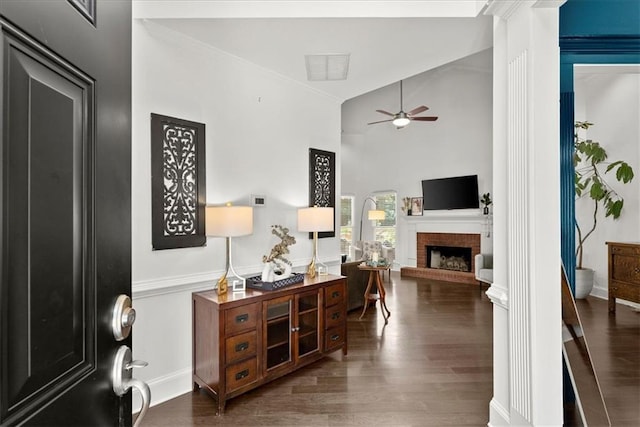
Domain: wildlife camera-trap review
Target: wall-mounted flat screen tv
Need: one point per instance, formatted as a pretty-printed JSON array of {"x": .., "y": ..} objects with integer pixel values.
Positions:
[{"x": 459, "y": 192}]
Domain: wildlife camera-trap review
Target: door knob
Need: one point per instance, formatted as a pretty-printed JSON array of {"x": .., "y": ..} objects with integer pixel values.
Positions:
[
  {"x": 122, "y": 318},
  {"x": 122, "y": 377}
]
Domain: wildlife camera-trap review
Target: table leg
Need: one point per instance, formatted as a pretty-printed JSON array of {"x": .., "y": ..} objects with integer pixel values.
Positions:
[
  {"x": 366, "y": 294},
  {"x": 383, "y": 304}
]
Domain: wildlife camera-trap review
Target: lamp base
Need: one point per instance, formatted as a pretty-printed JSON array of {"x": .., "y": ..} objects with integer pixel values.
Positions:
[
  {"x": 311, "y": 269},
  {"x": 316, "y": 268},
  {"x": 222, "y": 285}
]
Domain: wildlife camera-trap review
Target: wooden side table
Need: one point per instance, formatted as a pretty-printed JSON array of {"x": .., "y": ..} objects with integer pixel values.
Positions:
[
  {"x": 624, "y": 273},
  {"x": 374, "y": 277}
]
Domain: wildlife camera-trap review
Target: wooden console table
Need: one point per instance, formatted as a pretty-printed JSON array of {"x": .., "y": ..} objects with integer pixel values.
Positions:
[
  {"x": 624, "y": 273},
  {"x": 246, "y": 339}
]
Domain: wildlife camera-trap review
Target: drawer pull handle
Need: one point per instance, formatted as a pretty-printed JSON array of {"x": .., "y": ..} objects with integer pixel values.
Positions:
[
  {"x": 335, "y": 337},
  {"x": 335, "y": 294},
  {"x": 241, "y": 318},
  {"x": 335, "y": 316},
  {"x": 242, "y": 374},
  {"x": 242, "y": 347}
]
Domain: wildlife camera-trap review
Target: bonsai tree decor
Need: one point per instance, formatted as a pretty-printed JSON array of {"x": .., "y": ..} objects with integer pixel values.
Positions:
[
  {"x": 276, "y": 263},
  {"x": 589, "y": 158}
]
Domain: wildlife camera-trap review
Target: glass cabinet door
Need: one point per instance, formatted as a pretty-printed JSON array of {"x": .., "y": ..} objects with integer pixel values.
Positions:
[
  {"x": 308, "y": 315},
  {"x": 278, "y": 332}
]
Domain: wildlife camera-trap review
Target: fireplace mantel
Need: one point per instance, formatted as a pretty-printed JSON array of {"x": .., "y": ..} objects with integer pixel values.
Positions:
[
  {"x": 453, "y": 221},
  {"x": 455, "y": 216}
]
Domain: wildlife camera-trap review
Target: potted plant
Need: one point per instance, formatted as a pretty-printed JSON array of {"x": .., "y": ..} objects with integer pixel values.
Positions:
[
  {"x": 589, "y": 158},
  {"x": 486, "y": 201}
]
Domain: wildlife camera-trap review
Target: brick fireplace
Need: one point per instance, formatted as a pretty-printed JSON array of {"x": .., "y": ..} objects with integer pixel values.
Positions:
[{"x": 461, "y": 248}]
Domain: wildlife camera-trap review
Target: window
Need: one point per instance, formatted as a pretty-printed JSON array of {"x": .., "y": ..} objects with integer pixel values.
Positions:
[
  {"x": 385, "y": 230},
  {"x": 346, "y": 224}
]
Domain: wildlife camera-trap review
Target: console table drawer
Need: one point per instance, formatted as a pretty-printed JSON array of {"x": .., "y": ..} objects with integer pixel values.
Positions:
[
  {"x": 334, "y": 316},
  {"x": 334, "y": 294},
  {"x": 626, "y": 268},
  {"x": 625, "y": 250},
  {"x": 241, "y": 374},
  {"x": 241, "y": 346},
  {"x": 334, "y": 338},
  {"x": 241, "y": 318},
  {"x": 625, "y": 291}
]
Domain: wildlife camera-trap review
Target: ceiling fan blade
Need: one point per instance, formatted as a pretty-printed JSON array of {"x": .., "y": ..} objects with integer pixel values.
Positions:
[
  {"x": 385, "y": 112},
  {"x": 424, "y": 119},
  {"x": 417, "y": 110},
  {"x": 381, "y": 121}
]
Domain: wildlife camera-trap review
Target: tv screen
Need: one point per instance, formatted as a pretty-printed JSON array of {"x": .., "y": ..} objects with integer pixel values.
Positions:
[{"x": 460, "y": 192}]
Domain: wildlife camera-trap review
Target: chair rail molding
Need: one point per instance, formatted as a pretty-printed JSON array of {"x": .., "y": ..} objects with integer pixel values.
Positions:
[
  {"x": 206, "y": 280},
  {"x": 498, "y": 295}
]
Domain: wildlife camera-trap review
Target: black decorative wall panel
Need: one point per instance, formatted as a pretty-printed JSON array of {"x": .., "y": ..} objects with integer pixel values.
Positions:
[
  {"x": 178, "y": 182},
  {"x": 322, "y": 182}
]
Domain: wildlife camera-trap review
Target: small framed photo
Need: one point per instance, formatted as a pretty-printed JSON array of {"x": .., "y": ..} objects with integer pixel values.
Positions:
[{"x": 416, "y": 206}]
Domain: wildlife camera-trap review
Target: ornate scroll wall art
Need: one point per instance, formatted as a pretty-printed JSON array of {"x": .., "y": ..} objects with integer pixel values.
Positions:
[
  {"x": 178, "y": 184},
  {"x": 322, "y": 183}
]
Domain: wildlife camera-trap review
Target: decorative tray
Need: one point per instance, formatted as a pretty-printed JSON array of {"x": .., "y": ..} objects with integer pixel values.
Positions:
[{"x": 256, "y": 282}]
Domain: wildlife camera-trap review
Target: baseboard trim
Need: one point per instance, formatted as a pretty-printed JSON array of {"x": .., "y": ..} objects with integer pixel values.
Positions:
[
  {"x": 498, "y": 414},
  {"x": 165, "y": 388}
]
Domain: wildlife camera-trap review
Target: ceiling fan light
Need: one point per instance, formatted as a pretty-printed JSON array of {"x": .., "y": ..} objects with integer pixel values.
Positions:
[{"x": 400, "y": 122}]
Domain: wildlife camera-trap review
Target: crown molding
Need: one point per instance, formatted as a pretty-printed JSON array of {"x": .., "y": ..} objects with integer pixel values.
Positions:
[{"x": 506, "y": 8}]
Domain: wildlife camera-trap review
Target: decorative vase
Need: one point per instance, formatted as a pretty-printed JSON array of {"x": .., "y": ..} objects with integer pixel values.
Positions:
[
  {"x": 584, "y": 282},
  {"x": 486, "y": 210},
  {"x": 282, "y": 272},
  {"x": 267, "y": 272},
  {"x": 408, "y": 212}
]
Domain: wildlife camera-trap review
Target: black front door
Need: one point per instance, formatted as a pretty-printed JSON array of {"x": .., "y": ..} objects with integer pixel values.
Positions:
[{"x": 65, "y": 179}]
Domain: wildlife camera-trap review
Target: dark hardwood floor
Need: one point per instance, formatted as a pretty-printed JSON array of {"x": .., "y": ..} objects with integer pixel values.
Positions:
[
  {"x": 430, "y": 366},
  {"x": 614, "y": 344}
]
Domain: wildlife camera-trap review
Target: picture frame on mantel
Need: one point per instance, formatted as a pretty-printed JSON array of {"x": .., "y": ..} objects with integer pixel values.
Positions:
[
  {"x": 178, "y": 183},
  {"x": 416, "y": 206},
  {"x": 322, "y": 183}
]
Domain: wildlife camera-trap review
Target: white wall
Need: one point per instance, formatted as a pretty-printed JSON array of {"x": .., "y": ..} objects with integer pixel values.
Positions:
[
  {"x": 259, "y": 127},
  {"x": 380, "y": 157},
  {"x": 610, "y": 100}
]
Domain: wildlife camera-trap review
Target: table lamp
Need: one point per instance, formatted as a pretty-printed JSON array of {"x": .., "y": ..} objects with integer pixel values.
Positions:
[
  {"x": 229, "y": 221},
  {"x": 315, "y": 219}
]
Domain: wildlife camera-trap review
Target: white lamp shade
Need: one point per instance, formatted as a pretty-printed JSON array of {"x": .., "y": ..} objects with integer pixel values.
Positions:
[
  {"x": 229, "y": 221},
  {"x": 315, "y": 219},
  {"x": 376, "y": 214}
]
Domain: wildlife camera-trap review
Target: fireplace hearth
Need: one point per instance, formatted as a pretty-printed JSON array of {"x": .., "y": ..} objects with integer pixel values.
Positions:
[{"x": 445, "y": 256}]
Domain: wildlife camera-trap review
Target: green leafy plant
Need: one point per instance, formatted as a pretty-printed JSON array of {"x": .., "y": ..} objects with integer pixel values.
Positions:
[
  {"x": 589, "y": 157},
  {"x": 486, "y": 199}
]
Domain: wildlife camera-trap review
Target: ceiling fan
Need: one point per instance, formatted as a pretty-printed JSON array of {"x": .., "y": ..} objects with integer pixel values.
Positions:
[{"x": 401, "y": 119}]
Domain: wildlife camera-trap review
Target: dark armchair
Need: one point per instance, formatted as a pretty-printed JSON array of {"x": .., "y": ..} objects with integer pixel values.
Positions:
[{"x": 356, "y": 284}]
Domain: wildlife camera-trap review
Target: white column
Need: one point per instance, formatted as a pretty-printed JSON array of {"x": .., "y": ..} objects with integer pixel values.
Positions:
[{"x": 526, "y": 289}]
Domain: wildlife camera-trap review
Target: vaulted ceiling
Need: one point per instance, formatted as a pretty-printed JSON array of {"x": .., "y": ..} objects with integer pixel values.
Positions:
[{"x": 387, "y": 40}]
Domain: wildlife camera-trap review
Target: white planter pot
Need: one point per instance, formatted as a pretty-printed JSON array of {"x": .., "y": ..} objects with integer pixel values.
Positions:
[{"x": 584, "y": 282}]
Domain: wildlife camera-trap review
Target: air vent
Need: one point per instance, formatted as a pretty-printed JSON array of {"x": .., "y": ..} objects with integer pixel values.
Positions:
[{"x": 327, "y": 66}]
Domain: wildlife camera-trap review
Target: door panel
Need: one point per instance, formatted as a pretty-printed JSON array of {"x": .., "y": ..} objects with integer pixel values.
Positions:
[
  {"x": 65, "y": 179},
  {"x": 48, "y": 220}
]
